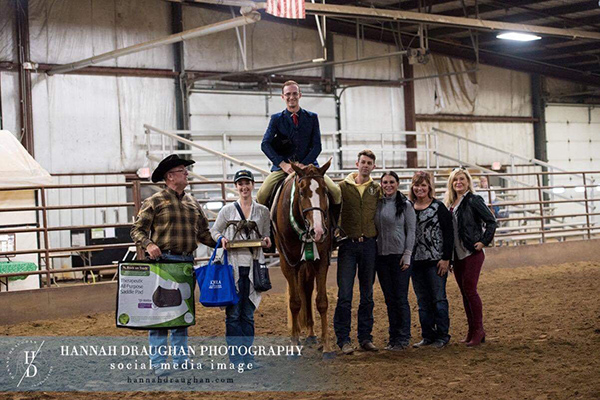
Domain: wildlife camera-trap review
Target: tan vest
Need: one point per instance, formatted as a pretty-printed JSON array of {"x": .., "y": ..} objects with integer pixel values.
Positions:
[{"x": 358, "y": 213}]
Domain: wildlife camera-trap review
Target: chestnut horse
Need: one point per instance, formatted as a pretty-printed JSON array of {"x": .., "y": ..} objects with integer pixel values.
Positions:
[{"x": 303, "y": 236}]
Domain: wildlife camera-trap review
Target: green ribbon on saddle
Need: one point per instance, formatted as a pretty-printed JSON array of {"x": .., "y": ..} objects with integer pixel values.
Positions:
[{"x": 309, "y": 249}]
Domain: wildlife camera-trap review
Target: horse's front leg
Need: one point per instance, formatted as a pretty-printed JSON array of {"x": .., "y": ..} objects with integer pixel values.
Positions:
[
  {"x": 294, "y": 305},
  {"x": 322, "y": 305}
]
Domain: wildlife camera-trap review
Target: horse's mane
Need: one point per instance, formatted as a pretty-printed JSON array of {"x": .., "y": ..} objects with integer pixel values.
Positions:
[{"x": 308, "y": 170}]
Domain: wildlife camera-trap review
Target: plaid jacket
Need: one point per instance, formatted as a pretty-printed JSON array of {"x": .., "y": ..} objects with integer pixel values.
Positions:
[{"x": 171, "y": 222}]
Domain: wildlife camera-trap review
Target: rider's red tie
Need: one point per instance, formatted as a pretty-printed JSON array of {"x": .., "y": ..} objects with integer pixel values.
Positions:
[{"x": 295, "y": 119}]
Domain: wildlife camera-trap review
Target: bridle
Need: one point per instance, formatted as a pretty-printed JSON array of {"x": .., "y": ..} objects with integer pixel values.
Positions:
[
  {"x": 303, "y": 234},
  {"x": 305, "y": 237}
]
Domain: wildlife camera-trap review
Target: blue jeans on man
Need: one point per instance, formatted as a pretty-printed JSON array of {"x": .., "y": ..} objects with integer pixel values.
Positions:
[
  {"x": 430, "y": 289},
  {"x": 239, "y": 321},
  {"x": 159, "y": 338},
  {"x": 355, "y": 256},
  {"x": 159, "y": 348},
  {"x": 394, "y": 284}
]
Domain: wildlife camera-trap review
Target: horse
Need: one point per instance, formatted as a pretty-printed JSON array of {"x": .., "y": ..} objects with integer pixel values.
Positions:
[{"x": 303, "y": 237}]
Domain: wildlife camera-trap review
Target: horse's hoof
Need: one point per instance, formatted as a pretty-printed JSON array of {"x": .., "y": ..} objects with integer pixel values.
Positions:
[
  {"x": 310, "y": 340},
  {"x": 329, "y": 355}
]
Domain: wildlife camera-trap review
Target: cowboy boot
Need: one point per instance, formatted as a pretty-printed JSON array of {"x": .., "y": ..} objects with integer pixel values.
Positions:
[
  {"x": 469, "y": 336},
  {"x": 478, "y": 334},
  {"x": 477, "y": 338}
]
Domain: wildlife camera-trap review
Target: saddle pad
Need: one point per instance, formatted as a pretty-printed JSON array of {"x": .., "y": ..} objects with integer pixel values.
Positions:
[{"x": 155, "y": 295}]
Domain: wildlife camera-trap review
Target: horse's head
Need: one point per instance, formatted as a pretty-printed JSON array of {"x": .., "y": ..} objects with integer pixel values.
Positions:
[{"x": 313, "y": 201}]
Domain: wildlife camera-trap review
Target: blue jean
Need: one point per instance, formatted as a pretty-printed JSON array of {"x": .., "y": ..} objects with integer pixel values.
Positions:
[
  {"x": 394, "y": 284},
  {"x": 239, "y": 320},
  {"x": 176, "y": 258},
  {"x": 158, "y": 339},
  {"x": 355, "y": 256},
  {"x": 430, "y": 289}
]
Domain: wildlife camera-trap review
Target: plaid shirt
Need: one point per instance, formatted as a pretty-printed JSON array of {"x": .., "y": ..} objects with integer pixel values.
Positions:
[{"x": 171, "y": 222}]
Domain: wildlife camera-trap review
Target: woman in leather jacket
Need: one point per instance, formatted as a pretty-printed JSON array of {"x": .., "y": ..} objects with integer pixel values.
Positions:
[{"x": 469, "y": 216}]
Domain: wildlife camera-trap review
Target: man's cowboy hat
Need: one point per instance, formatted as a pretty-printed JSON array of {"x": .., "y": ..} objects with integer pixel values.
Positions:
[{"x": 167, "y": 164}]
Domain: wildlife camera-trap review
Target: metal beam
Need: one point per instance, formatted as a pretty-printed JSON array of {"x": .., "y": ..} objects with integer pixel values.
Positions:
[
  {"x": 409, "y": 16},
  {"x": 466, "y": 52},
  {"x": 300, "y": 65},
  {"x": 547, "y": 51},
  {"x": 554, "y": 12},
  {"x": 410, "y": 120},
  {"x": 25, "y": 98},
  {"x": 536, "y": 15},
  {"x": 178, "y": 37},
  {"x": 538, "y": 111},
  {"x": 474, "y": 118}
]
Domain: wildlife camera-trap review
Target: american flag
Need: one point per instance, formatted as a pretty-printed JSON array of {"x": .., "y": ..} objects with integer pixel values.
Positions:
[{"x": 286, "y": 8}]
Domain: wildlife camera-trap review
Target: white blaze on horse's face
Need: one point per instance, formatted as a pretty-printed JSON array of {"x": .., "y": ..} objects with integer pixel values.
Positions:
[{"x": 317, "y": 216}]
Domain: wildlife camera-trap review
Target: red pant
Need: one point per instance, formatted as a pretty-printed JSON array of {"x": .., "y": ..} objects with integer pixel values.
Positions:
[{"x": 467, "y": 273}]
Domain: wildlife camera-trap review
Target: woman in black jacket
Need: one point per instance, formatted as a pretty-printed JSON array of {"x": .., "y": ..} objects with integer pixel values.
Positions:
[{"x": 469, "y": 215}]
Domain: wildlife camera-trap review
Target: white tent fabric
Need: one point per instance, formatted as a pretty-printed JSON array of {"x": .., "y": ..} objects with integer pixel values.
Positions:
[{"x": 17, "y": 167}]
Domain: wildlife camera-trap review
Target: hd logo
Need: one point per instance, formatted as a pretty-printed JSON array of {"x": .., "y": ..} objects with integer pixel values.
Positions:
[{"x": 26, "y": 364}]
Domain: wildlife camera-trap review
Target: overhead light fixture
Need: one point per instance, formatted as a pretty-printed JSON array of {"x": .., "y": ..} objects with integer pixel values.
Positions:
[
  {"x": 519, "y": 37},
  {"x": 558, "y": 190}
]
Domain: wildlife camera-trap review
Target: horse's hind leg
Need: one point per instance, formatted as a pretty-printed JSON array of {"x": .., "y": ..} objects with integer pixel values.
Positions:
[{"x": 322, "y": 305}]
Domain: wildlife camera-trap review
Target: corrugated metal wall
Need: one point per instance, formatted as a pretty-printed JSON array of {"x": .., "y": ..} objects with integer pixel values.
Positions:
[{"x": 574, "y": 144}]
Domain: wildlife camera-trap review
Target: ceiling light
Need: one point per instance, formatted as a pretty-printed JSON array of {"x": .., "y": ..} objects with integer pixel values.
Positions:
[
  {"x": 558, "y": 190},
  {"x": 520, "y": 37},
  {"x": 580, "y": 189}
]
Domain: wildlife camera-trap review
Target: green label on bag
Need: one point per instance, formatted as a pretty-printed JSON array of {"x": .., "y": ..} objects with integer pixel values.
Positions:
[{"x": 135, "y": 270}]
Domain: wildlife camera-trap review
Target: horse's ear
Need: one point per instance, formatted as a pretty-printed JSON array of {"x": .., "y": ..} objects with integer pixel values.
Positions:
[
  {"x": 297, "y": 169},
  {"x": 325, "y": 167}
]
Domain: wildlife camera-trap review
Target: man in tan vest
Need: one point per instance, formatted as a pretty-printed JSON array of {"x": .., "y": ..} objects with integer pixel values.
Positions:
[{"x": 357, "y": 253}]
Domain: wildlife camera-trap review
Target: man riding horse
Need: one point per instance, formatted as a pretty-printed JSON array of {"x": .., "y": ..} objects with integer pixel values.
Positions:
[
  {"x": 293, "y": 135},
  {"x": 302, "y": 222}
]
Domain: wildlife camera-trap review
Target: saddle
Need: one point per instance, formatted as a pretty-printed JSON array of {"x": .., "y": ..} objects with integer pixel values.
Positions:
[{"x": 271, "y": 200}]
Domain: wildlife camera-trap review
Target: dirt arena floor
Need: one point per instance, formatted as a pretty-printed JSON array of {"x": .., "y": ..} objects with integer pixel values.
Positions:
[{"x": 543, "y": 342}]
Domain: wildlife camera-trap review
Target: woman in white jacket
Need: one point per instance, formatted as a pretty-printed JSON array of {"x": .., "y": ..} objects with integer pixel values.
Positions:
[{"x": 239, "y": 320}]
